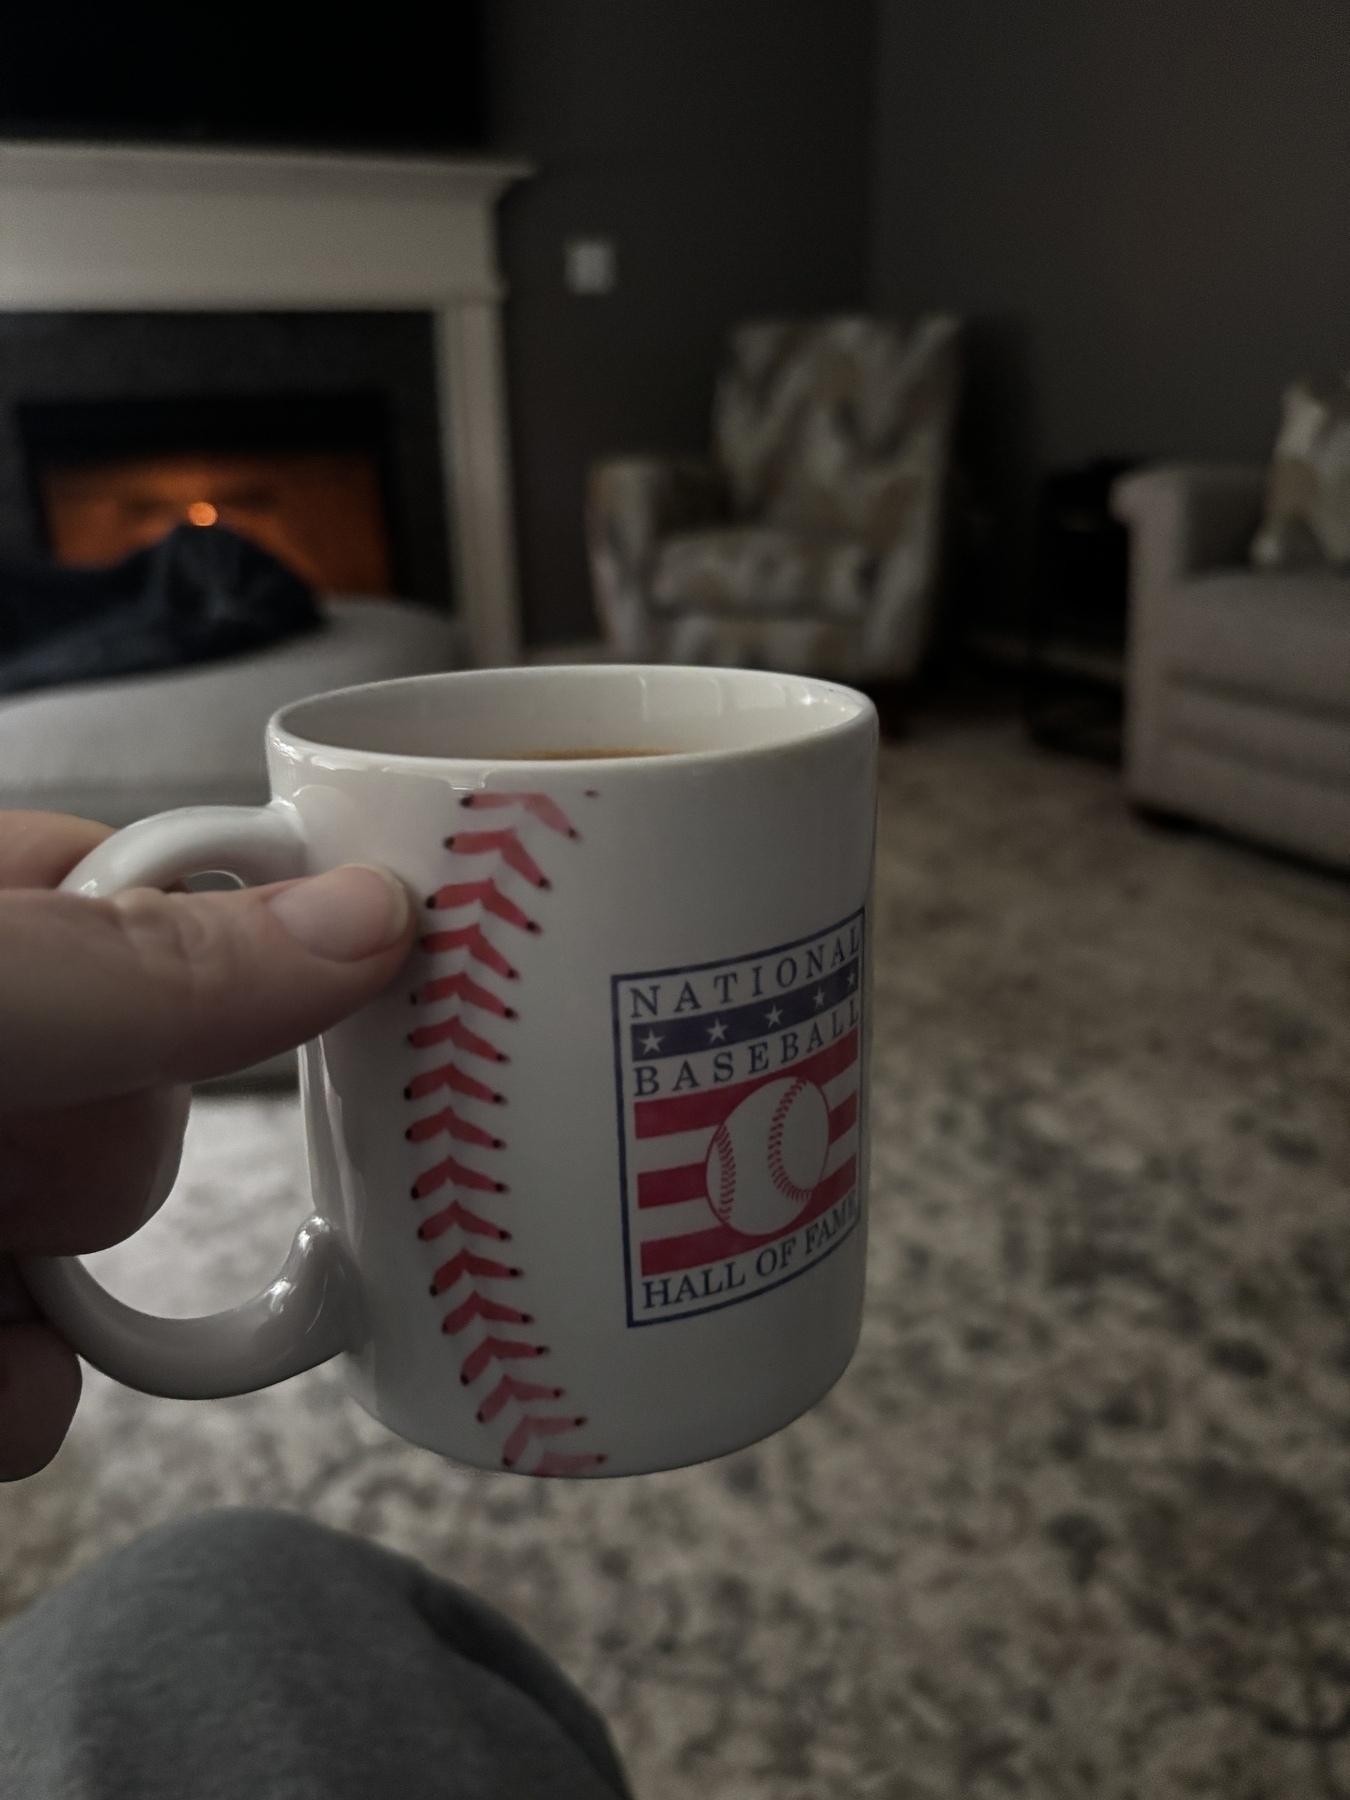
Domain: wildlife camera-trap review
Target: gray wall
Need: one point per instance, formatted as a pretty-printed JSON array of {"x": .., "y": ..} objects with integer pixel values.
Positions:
[
  {"x": 725, "y": 145},
  {"x": 1143, "y": 206},
  {"x": 1140, "y": 208}
]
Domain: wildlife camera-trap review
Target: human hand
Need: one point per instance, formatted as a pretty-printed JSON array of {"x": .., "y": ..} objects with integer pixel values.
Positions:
[{"x": 108, "y": 1008}]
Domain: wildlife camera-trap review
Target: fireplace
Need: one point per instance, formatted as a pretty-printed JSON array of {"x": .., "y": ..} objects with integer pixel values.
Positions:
[
  {"x": 321, "y": 514},
  {"x": 273, "y": 274},
  {"x": 315, "y": 434},
  {"x": 308, "y": 477}
]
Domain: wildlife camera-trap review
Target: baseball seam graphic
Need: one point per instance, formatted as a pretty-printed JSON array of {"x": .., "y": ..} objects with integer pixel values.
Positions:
[
  {"x": 777, "y": 1168},
  {"x": 479, "y": 903},
  {"x": 726, "y": 1173}
]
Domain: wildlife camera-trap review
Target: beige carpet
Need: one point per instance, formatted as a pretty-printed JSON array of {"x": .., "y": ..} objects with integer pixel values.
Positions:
[{"x": 1077, "y": 1521}]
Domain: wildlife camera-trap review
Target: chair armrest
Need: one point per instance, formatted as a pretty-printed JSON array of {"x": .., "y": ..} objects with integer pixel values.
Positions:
[
  {"x": 632, "y": 502},
  {"x": 1189, "y": 518},
  {"x": 1182, "y": 522}
]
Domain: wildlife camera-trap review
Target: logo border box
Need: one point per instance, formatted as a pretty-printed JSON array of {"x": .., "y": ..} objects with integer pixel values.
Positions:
[{"x": 717, "y": 962}]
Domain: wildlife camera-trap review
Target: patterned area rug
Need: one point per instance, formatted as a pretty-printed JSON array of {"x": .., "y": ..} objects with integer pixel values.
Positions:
[{"x": 1077, "y": 1521}]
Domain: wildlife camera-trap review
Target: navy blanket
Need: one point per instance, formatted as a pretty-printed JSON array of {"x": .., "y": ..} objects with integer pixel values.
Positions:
[{"x": 198, "y": 594}]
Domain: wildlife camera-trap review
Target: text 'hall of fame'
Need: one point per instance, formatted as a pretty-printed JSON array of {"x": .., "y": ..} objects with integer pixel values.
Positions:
[{"x": 739, "y": 1088}]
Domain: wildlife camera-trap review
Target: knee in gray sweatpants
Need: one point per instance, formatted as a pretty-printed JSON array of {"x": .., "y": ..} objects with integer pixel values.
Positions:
[{"x": 256, "y": 1654}]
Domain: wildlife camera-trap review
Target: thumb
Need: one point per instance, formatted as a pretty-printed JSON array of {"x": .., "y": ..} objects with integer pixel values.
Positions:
[{"x": 100, "y": 997}]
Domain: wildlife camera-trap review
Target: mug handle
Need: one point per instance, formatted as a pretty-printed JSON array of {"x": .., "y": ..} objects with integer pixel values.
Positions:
[{"x": 312, "y": 1310}]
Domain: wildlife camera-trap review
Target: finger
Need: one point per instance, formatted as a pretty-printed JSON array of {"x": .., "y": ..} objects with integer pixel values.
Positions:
[
  {"x": 39, "y": 1391},
  {"x": 79, "y": 1178},
  {"x": 39, "y": 849},
  {"x": 100, "y": 997}
]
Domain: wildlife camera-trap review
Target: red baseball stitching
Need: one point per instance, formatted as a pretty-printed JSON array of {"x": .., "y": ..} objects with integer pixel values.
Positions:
[
  {"x": 726, "y": 1173},
  {"x": 480, "y": 901},
  {"x": 777, "y": 1168}
]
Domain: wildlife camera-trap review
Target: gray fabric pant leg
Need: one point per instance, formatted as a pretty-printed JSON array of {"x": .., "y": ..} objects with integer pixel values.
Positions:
[{"x": 255, "y": 1654}]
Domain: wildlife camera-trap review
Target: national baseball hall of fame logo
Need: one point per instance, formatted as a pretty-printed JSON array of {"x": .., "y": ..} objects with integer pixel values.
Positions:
[{"x": 739, "y": 1088}]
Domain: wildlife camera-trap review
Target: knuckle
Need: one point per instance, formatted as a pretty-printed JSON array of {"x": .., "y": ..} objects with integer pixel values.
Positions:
[{"x": 186, "y": 961}]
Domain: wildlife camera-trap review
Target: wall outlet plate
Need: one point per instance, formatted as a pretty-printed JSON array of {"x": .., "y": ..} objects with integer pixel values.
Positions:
[{"x": 590, "y": 265}]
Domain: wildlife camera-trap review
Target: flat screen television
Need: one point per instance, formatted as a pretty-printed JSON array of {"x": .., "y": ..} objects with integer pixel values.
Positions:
[{"x": 364, "y": 75}]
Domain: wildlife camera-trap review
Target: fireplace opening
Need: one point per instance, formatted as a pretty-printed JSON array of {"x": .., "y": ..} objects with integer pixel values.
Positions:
[{"x": 305, "y": 476}]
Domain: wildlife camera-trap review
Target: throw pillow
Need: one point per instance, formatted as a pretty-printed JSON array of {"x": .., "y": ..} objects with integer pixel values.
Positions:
[{"x": 1307, "y": 519}]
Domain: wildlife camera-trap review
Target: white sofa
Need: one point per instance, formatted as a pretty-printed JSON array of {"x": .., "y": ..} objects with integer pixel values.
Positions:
[
  {"x": 117, "y": 750},
  {"x": 1237, "y": 679}
]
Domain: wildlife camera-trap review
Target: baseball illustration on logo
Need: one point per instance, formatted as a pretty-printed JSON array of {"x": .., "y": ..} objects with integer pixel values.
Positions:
[
  {"x": 767, "y": 1157},
  {"x": 740, "y": 1087}
]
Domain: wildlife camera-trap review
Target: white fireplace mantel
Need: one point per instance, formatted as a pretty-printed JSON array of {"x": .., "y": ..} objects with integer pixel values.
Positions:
[{"x": 93, "y": 227}]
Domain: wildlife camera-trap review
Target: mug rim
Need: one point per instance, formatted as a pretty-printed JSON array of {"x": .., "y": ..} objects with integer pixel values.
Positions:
[{"x": 856, "y": 711}]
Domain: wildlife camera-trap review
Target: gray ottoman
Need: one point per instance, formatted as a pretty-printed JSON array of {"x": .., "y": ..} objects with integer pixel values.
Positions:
[{"x": 117, "y": 750}]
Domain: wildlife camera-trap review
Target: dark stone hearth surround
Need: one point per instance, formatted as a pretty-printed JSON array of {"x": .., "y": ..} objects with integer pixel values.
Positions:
[{"x": 115, "y": 356}]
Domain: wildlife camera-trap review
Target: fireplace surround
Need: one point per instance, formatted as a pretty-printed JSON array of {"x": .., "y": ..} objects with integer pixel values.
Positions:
[
  {"x": 271, "y": 237},
  {"x": 339, "y": 484}
]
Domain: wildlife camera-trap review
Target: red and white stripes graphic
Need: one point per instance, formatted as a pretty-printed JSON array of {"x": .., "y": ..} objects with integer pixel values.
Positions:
[
  {"x": 490, "y": 872},
  {"x": 676, "y": 1230}
]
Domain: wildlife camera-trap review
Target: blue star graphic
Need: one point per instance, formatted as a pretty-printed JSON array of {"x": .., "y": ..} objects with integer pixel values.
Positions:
[
  {"x": 818, "y": 998},
  {"x": 716, "y": 1032},
  {"x": 775, "y": 1014},
  {"x": 651, "y": 1043}
]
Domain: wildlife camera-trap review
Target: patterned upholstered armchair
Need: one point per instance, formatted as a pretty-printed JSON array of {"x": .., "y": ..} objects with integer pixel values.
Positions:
[{"x": 809, "y": 540}]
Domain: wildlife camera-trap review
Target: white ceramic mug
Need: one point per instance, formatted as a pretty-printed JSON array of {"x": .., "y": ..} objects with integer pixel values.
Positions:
[{"x": 590, "y": 1180}]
